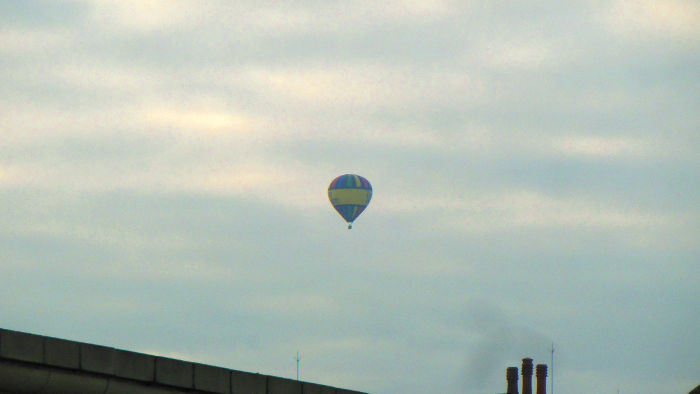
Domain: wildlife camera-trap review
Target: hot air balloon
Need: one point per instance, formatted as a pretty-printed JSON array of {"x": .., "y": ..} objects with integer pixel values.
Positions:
[{"x": 350, "y": 195}]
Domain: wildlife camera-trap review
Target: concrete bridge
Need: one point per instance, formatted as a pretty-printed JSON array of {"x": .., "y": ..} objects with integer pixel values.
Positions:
[{"x": 39, "y": 364}]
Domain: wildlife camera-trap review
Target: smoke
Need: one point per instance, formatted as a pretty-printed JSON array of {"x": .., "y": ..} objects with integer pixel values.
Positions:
[{"x": 499, "y": 341}]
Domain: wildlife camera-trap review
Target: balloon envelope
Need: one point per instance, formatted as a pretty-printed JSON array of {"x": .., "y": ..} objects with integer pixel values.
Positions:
[{"x": 350, "y": 195}]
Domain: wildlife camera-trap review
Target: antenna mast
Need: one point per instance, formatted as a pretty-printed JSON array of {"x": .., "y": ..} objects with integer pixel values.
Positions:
[
  {"x": 551, "y": 362},
  {"x": 298, "y": 359}
]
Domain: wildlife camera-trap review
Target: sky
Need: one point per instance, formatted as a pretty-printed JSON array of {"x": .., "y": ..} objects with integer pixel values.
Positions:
[{"x": 535, "y": 165}]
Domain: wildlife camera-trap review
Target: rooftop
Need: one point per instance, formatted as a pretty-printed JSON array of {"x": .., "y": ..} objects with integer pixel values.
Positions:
[{"x": 32, "y": 363}]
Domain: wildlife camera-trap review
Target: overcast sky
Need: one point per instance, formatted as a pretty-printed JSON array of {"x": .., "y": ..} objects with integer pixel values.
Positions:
[{"x": 535, "y": 165}]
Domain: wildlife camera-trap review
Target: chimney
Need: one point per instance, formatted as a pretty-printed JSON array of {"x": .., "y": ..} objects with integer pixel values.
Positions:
[
  {"x": 541, "y": 373},
  {"x": 526, "y": 371},
  {"x": 512, "y": 378}
]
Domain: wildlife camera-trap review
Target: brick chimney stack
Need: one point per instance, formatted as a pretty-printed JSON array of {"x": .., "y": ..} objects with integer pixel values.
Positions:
[
  {"x": 541, "y": 373},
  {"x": 512, "y": 378},
  {"x": 526, "y": 371}
]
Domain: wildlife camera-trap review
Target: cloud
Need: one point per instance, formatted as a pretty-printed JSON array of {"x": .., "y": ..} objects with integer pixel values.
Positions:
[
  {"x": 498, "y": 211},
  {"x": 260, "y": 19},
  {"x": 600, "y": 146},
  {"x": 21, "y": 41},
  {"x": 362, "y": 85},
  {"x": 296, "y": 305},
  {"x": 205, "y": 121},
  {"x": 146, "y": 15},
  {"x": 520, "y": 55},
  {"x": 9, "y": 177},
  {"x": 674, "y": 18}
]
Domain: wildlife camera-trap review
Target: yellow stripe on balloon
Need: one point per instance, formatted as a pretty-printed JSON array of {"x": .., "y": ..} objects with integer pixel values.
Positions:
[{"x": 349, "y": 196}]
